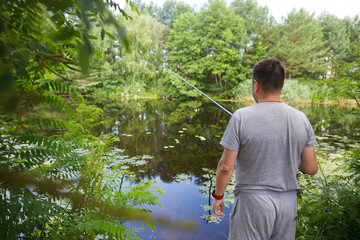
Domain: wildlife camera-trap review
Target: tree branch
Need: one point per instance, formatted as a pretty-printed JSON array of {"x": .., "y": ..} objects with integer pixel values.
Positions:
[{"x": 59, "y": 75}]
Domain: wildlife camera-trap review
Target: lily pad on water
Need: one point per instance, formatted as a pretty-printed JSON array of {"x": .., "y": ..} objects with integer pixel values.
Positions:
[
  {"x": 117, "y": 150},
  {"x": 211, "y": 218},
  {"x": 122, "y": 157},
  {"x": 135, "y": 161},
  {"x": 139, "y": 163},
  {"x": 170, "y": 146},
  {"x": 182, "y": 177},
  {"x": 147, "y": 157},
  {"x": 202, "y": 138}
]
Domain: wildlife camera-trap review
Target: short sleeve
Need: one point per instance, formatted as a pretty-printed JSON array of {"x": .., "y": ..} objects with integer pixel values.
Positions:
[
  {"x": 311, "y": 141},
  {"x": 231, "y": 137}
]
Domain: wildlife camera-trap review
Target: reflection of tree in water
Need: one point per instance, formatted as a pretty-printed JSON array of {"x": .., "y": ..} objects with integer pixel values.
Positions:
[
  {"x": 206, "y": 188},
  {"x": 192, "y": 128},
  {"x": 182, "y": 136}
]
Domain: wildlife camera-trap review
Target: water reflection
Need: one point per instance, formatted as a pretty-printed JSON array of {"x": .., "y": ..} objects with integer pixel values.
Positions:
[{"x": 182, "y": 137}]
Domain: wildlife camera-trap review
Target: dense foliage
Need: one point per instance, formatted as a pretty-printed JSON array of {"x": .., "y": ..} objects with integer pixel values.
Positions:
[
  {"x": 330, "y": 203},
  {"x": 58, "y": 180}
]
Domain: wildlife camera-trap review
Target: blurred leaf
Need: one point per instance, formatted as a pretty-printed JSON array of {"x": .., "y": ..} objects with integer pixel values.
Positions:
[
  {"x": 110, "y": 35},
  {"x": 92, "y": 37},
  {"x": 3, "y": 49},
  {"x": 84, "y": 55},
  {"x": 6, "y": 79},
  {"x": 65, "y": 33},
  {"x": 58, "y": 18},
  {"x": 102, "y": 34},
  {"x": 121, "y": 32}
]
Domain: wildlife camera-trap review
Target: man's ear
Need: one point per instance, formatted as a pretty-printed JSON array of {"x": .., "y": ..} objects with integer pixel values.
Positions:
[{"x": 256, "y": 86}]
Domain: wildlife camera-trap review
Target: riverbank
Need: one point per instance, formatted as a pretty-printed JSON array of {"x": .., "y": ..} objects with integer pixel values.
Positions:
[{"x": 295, "y": 91}]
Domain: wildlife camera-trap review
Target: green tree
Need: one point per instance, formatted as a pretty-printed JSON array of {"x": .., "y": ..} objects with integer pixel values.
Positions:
[
  {"x": 300, "y": 45},
  {"x": 334, "y": 36},
  {"x": 259, "y": 26},
  {"x": 124, "y": 72},
  {"x": 171, "y": 10},
  {"x": 183, "y": 56},
  {"x": 221, "y": 34},
  {"x": 206, "y": 47},
  {"x": 145, "y": 61},
  {"x": 353, "y": 33},
  {"x": 167, "y": 13},
  {"x": 151, "y": 8},
  {"x": 183, "y": 45},
  {"x": 138, "y": 70}
]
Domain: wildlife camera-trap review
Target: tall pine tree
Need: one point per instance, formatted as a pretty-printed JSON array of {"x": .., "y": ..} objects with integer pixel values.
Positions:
[
  {"x": 335, "y": 38},
  {"x": 300, "y": 46}
]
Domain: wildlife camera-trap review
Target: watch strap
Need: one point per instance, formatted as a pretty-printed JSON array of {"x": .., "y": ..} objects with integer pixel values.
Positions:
[{"x": 217, "y": 197}]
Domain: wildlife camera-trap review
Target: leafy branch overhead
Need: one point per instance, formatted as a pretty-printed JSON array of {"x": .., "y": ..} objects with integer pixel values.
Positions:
[{"x": 40, "y": 39}]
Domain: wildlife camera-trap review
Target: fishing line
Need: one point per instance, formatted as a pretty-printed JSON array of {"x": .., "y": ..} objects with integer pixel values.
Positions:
[{"x": 202, "y": 93}]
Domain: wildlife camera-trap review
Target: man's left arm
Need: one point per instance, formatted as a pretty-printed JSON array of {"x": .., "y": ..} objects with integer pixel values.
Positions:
[{"x": 224, "y": 173}]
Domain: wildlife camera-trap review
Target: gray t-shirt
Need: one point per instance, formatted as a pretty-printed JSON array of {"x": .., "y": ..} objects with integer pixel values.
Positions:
[{"x": 270, "y": 138}]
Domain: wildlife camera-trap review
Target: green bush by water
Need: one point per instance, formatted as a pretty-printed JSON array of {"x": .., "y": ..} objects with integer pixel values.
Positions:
[{"x": 329, "y": 203}]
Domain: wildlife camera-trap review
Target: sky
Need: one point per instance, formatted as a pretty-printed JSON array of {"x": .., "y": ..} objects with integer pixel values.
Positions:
[{"x": 280, "y": 8}]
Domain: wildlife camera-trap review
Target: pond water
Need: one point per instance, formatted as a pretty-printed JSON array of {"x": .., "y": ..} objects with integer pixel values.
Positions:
[{"x": 177, "y": 145}]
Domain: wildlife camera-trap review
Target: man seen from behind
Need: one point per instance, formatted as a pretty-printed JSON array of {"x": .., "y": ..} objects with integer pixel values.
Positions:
[{"x": 268, "y": 141}]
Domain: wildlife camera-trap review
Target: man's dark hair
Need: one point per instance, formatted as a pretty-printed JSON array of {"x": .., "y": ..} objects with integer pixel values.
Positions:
[{"x": 270, "y": 74}]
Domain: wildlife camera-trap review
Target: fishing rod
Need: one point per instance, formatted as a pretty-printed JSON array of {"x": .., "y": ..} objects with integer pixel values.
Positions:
[{"x": 202, "y": 93}]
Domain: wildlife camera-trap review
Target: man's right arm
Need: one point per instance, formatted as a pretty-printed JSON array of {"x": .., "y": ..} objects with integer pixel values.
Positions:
[{"x": 308, "y": 163}]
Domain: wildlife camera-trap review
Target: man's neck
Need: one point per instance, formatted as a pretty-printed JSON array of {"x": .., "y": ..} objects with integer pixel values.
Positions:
[{"x": 270, "y": 98}]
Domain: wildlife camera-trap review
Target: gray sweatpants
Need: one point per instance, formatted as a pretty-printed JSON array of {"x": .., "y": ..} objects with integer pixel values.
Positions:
[{"x": 263, "y": 215}]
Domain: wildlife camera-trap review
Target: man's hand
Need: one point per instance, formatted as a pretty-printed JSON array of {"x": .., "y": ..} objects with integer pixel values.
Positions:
[{"x": 216, "y": 207}]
